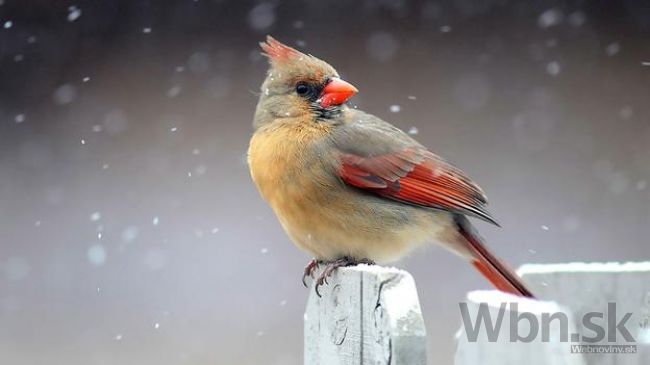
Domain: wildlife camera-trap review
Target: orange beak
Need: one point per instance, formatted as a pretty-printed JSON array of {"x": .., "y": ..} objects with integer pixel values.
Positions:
[{"x": 336, "y": 92}]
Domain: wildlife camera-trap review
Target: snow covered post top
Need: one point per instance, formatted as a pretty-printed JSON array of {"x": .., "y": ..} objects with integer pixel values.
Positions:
[
  {"x": 500, "y": 328},
  {"x": 587, "y": 313},
  {"x": 610, "y": 289},
  {"x": 366, "y": 315}
]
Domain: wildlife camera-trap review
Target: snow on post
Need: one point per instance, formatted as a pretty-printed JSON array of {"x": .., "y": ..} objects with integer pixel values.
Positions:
[
  {"x": 515, "y": 335},
  {"x": 366, "y": 315},
  {"x": 611, "y": 289}
]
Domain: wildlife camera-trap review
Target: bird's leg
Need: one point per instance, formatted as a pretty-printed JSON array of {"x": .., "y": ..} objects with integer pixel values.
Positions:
[
  {"x": 330, "y": 266},
  {"x": 309, "y": 271}
]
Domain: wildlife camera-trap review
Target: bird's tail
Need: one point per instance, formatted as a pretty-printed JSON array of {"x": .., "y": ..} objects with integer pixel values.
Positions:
[{"x": 498, "y": 273}]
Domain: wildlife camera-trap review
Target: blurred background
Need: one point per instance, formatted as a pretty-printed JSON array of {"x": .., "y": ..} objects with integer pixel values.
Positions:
[{"x": 131, "y": 233}]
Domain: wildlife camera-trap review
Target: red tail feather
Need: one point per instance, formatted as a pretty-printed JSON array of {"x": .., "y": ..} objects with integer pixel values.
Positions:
[{"x": 500, "y": 275}]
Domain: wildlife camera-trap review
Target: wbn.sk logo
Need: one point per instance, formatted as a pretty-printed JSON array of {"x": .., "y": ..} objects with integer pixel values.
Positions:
[{"x": 598, "y": 328}]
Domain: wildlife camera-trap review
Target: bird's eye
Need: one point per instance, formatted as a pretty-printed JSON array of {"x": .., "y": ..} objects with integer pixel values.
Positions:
[{"x": 302, "y": 89}]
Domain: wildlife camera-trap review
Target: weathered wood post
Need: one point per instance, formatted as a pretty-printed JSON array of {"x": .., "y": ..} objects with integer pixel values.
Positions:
[
  {"x": 371, "y": 315},
  {"x": 366, "y": 315}
]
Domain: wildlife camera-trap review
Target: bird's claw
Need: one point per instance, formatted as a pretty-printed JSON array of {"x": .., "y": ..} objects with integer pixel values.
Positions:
[
  {"x": 309, "y": 271},
  {"x": 331, "y": 266}
]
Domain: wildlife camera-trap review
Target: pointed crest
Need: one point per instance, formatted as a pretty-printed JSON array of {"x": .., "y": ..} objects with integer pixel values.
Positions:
[{"x": 278, "y": 52}]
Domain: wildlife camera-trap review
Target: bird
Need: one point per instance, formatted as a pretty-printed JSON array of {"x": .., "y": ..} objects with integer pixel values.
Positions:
[{"x": 349, "y": 188}]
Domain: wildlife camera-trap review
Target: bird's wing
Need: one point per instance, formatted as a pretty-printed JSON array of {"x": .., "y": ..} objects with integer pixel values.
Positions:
[{"x": 377, "y": 157}]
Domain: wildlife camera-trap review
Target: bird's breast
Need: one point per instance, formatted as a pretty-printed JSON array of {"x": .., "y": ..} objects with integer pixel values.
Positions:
[
  {"x": 283, "y": 161},
  {"x": 323, "y": 215}
]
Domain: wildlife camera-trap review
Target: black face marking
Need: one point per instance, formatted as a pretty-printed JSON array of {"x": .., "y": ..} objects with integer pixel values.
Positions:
[
  {"x": 312, "y": 92},
  {"x": 327, "y": 114}
]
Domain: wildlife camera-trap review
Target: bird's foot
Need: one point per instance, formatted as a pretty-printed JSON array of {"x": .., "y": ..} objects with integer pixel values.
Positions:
[
  {"x": 331, "y": 266},
  {"x": 309, "y": 271}
]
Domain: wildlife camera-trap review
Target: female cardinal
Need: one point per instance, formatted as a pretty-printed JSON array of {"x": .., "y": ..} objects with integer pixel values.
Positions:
[{"x": 351, "y": 188}]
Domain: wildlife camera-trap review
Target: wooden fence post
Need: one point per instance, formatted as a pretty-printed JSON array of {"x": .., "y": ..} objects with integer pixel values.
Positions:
[
  {"x": 371, "y": 315},
  {"x": 366, "y": 315}
]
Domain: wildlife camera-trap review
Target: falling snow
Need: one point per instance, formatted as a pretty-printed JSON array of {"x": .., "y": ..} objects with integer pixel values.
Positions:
[
  {"x": 261, "y": 16},
  {"x": 382, "y": 46},
  {"x": 577, "y": 19},
  {"x": 199, "y": 62},
  {"x": 395, "y": 108},
  {"x": 641, "y": 185},
  {"x": 553, "y": 68},
  {"x": 96, "y": 254},
  {"x": 626, "y": 112},
  {"x": 65, "y": 94},
  {"x": 129, "y": 234},
  {"x": 115, "y": 122},
  {"x": 550, "y": 18},
  {"x": 174, "y": 91},
  {"x": 612, "y": 49},
  {"x": 73, "y": 13}
]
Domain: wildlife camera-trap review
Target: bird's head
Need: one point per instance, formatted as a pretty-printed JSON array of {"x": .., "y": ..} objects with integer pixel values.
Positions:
[{"x": 298, "y": 85}]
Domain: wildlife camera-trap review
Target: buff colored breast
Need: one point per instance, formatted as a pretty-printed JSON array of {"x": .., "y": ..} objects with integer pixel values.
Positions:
[{"x": 321, "y": 214}]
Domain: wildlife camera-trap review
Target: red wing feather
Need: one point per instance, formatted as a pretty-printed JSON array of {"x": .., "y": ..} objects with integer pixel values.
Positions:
[{"x": 416, "y": 177}]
